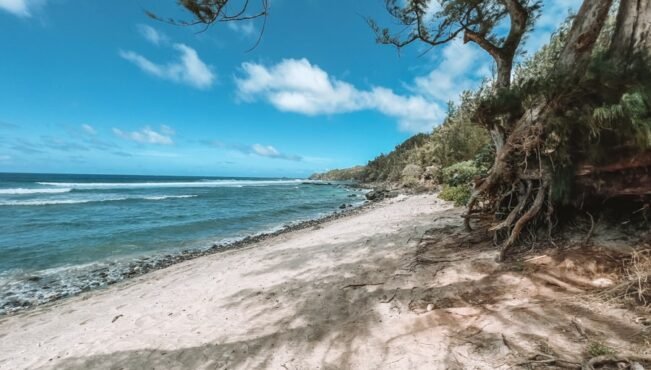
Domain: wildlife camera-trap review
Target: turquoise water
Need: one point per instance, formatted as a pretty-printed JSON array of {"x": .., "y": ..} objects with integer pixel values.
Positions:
[{"x": 62, "y": 234}]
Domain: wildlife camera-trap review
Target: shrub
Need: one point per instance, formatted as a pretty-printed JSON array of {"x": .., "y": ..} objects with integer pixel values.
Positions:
[
  {"x": 596, "y": 349},
  {"x": 412, "y": 171},
  {"x": 459, "y": 174},
  {"x": 410, "y": 183},
  {"x": 457, "y": 194}
]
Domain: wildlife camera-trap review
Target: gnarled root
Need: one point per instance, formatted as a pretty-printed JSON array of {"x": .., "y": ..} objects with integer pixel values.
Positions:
[
  {"x": 632, "y": 363},
  {"x": 533, "y": 211}
]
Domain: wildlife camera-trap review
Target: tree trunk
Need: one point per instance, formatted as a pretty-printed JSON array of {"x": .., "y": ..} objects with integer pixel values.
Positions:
[
  {"x": 522, "y": 142},
  {"x": 632, "y": 35},
  {"x": 586, "y": 28},
  {"x": 504, "y": 68}
]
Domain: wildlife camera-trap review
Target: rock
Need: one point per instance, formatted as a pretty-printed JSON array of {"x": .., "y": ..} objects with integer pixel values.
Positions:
[
  {"x": 343, "y": 206},
  {"x": 392, "y": 194},
  {"x": 602, "y": 282},
  {"x": 430, "y": 307},
  {"x": 636, "y": 366},
  {"x": 376, "y": 195}
]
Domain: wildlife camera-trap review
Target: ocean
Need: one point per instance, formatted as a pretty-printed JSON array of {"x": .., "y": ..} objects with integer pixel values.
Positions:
[{"x": 65, "y": 234}]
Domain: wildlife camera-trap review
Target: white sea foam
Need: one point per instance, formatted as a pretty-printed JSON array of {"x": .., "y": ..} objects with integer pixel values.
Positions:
[
  {"x": 24, "y": 191},
  {"x": 186, "y": 184},
  {"x": 42, "y": 202},
  {"x": 163, "y": 197},
  {"x": 47, "y": 202}
]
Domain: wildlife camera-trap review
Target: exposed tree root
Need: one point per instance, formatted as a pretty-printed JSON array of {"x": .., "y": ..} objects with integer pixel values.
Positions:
[
  {"x": 522, "y": 222},
  {"x": 544, "y": 359},
  {"x": 632, "y": 362},
  {"x": 516, "y": 211},
  {"x": 360, "y": 285}
]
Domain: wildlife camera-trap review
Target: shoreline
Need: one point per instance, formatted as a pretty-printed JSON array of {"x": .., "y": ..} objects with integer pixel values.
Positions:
[
  {"x": 397, "y": 285},
  {"x": 103, "y": 277}
]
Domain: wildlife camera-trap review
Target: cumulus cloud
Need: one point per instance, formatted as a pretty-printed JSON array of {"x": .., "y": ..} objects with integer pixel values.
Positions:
[
  {"x": 21, "y": 8},
  {"x": 296, "y": 85},
  {"x": 152, "y": 35},
  {"x": 189, "y": 69},
  {"x": 271, "y": 152},
  {"x": 88, "y": 129},
  {"x": 147, "y": 135}
]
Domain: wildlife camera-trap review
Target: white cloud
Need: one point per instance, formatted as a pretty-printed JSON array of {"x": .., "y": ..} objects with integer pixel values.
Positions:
[
  {"x": 152, "y": 35},
  {"x": 147, "y": 135},
  {"x": 88, "y": 129},
  {"x": 189, "y": 69},
  {"x": 459, "y": 68},
  {"x": 295, "y": 85},
  {"x": 266, "y": 151},
  {"x": 245, "y": 28},
  {"x": 271, "y": 152},
  {"x": 21, "y": 8}
]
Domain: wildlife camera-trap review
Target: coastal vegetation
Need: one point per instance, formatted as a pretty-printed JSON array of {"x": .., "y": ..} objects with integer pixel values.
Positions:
[
  {"x": 584, "y": 111},
  {"x": 559, "y": 135},
  {"x": 569, "y": 127}
]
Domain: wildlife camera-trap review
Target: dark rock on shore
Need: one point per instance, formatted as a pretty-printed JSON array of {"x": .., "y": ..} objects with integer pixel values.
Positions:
[
  {"x": 380, "y": 194},
  {"x": 106, "y": 276},
  {"x": 316, "y": 183}
]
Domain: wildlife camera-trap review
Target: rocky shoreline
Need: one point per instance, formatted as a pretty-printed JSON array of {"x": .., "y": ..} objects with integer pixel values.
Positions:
[{"x": 37, "y": 290}]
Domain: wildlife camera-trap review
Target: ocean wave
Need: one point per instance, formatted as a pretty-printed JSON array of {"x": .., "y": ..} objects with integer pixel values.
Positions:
[
  {"x": 185, "y": 184},
  {"x": 163, "y": 197},
  {"x": 24, "y": 191},
  {"x": 48, "y": 202}
]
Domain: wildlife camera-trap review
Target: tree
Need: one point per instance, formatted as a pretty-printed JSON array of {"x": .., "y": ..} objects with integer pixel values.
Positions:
[
  {"x": 209, "y": 12},
  {"x": 544, "y": 128},
  {"x": 435, "y": 23},
  {"x": 524, "y": 124},
  {"x": 632, "y": 37},
  {"x": 439, "y": 22},
  {"x": 214, "y": 11}
]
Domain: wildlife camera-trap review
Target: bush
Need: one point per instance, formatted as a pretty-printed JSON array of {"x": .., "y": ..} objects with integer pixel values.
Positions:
[
  {"x": 410, "y": 183},
  {"x": 459, "y": 174},
  {"x": 457, "y": 194},
  {"x": 596, "y": 349},
  {"x": 412, "y": 171}
]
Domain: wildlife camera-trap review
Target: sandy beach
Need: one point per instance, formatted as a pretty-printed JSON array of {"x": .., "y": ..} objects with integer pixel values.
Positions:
[{"x": 376, "y": 289}]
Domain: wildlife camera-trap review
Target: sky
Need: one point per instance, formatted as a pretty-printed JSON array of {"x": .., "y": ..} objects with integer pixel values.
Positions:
[{"x": 91, "y": 86}]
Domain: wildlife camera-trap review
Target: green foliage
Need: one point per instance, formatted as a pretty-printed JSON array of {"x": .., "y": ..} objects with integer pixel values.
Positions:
[
  {"x": 596, "y": 349},
  {"x": 457, "y": 139},
  {"x": 346, "y": 174},
  {"x": 457, "y": 181},
  {"x": 462, "y": 173},
  {"x": 457, "y": 194},
  {"x": 602, "y": 116},
  {"x": 630, "y": 116},
  {"x": 456, "y": 17},
  {"x": 607, "y": 115}
]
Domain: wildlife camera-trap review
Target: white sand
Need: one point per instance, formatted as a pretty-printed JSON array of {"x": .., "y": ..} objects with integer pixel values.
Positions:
[{"x": 293, "y": 302}]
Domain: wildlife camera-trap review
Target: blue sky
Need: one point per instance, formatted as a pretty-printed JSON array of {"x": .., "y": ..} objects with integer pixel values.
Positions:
[{"x": 90, "y": 86}]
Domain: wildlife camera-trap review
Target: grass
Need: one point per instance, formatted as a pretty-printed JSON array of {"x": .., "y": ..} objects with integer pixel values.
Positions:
[{"x": 599, "y": 349}]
